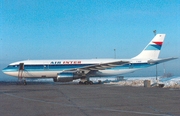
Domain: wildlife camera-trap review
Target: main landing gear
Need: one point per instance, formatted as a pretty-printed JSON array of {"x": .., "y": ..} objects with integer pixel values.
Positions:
[
  {"x": 86, "y": 82},
  {"x": 24, "y": 82},
  {"x": 21, "y": 82}
]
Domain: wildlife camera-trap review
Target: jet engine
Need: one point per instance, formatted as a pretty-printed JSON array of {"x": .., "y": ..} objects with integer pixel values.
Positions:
[{"x": 66, "y": 76}]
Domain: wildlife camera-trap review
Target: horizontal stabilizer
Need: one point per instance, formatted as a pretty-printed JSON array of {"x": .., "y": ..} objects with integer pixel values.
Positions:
[{"x": 160, "y": 60}]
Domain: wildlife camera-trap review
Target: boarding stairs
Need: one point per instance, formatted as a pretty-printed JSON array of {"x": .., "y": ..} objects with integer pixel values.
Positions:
[{"x": 20, "y": 74}]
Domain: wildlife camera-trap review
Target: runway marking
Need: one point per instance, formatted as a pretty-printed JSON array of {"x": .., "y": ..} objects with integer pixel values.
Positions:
[
  {"x": 74, "y": 104},
  {"x": 88, "y": 108},
  {"x": 175, "y": 89},
  {"x": 133, "y": 112},
  {"x": 156, "y": 110},
  {"x": 36, "y": 100}
]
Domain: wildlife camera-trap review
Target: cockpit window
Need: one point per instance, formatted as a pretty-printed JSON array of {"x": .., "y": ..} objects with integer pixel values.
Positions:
[{"x": 13, "y": 66}]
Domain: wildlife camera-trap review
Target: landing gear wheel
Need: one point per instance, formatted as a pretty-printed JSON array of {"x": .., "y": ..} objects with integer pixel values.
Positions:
[
  {"x": 25, "y": 83},
  {"x": 86, "y": 82},
  {"x": 90, "y": 82},
  {"x": 80, "y": 82},
  {"x": 55, "y": 79}
]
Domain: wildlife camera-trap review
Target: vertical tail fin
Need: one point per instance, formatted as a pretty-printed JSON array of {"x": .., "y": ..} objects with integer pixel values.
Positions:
[{"x": 152, "y": 50}]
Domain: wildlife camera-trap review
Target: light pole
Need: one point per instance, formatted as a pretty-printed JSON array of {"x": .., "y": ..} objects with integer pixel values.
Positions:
[
  {"x": 156, "y": 64},
  {"x": 156, "y": 73},
  {"x": 154, "y": 32}
]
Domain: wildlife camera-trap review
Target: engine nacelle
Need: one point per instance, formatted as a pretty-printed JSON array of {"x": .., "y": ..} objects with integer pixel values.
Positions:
[{"x": 66, "y": 76}]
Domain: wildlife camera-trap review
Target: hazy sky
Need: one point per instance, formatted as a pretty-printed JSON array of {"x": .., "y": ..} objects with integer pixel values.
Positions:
[{"x": 41, "y": 29}]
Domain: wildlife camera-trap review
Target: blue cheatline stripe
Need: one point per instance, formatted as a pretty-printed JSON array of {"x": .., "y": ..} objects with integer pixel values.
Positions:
[
  {"x": 45, "y": 67},
  {"x": 66, "y": 67},
  {"x": 153, "y": 47}
]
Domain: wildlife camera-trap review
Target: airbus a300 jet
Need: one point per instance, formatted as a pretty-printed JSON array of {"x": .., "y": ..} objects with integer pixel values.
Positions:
[{"x": 68, "y": 70}]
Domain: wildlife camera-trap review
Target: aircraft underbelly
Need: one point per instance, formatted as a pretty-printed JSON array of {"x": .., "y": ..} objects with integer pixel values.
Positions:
[
  {"x": 53, "y": 74},
  {"x": 35, "y": 74},
  {"x": 44, "y": 74}
]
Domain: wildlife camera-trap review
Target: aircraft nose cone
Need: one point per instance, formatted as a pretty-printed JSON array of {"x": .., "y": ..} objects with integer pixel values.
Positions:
[
  {"x": 11, "y": 71},
  {"x": 5, "y": 71}
]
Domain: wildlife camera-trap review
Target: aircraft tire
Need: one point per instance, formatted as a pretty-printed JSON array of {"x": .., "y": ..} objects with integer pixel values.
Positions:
[
  {"x": 55, "y": 79},
  {"x": 86, "y": 82},
  {"x": 25, "y": 83},
  {"x": 81, "y": 83},
  {"x": 90, "y": 82}
]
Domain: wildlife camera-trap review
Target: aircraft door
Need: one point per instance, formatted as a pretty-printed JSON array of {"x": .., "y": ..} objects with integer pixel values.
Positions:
[
  {"x": 46, "y": 67},
  {"x": 131, "y": 66}
]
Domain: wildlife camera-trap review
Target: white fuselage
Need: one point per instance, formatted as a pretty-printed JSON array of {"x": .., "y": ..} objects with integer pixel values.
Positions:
[{"x": 50, "y": 68}]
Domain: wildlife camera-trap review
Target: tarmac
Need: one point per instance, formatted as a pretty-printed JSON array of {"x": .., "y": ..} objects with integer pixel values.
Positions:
[{"x": 71, "y": 99}]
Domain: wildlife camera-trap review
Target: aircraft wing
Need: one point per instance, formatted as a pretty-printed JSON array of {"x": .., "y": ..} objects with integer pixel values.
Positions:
[
  {"x": 103, "y": 66},
  {"x": 160, "y": 60},
  {"x": 100, "y": 66}
]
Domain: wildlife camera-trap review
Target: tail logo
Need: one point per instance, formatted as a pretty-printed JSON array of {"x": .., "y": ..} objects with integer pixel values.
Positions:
[
  {"x": 158, "y": 43},
  {"x": 154, "y": 46}
]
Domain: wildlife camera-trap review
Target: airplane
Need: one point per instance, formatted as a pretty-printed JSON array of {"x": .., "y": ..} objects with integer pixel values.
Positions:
[{"x": 68, "y": 70}]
